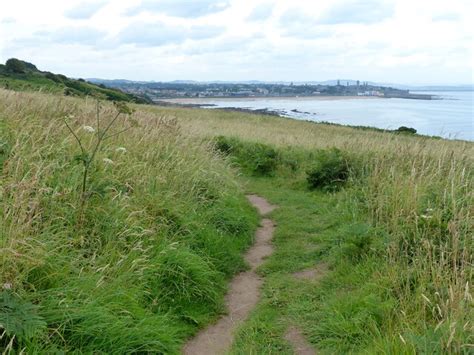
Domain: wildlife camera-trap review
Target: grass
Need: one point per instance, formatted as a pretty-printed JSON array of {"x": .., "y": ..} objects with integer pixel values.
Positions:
[
  {"x": 164, "y": 227},
  {"x": 166, "y": 223},
  {"x": 399, "y": 281}
]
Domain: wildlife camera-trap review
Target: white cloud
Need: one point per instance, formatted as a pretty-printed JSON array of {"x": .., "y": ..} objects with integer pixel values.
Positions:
[
  {"x": 409, "y": 41},
  {"x": 155, "y": 34},
  {"x": 85, "y": 10},
  {"x": 180, "y": 8}
]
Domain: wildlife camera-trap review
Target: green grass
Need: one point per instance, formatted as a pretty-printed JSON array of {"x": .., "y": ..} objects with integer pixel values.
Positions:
[
  {"x": 146, "y": 264},
  {"x": 166, "y": 222},
  {"x": 377, "y": 297}
]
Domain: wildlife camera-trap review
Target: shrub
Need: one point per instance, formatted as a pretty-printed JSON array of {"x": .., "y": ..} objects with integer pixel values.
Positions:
[
  {"x": 15, "y": 65},
  {"x": 226, "y": 145},
  {"x": 407, "y": 130},
  {"x": 329, "y": 171},
  {"x": 254, "y": 158},
  {"x": 262, "y": 159}
]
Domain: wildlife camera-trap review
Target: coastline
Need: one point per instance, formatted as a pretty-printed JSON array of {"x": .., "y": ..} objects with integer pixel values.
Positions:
[{"x": 205, "y": 101}]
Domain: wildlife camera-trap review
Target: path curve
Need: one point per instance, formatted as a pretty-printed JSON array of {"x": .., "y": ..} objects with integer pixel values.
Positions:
[{"x": 243, "y": 294}]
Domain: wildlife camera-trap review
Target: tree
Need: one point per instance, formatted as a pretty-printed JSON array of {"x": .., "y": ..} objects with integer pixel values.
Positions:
[{"x": 15, "y": 65}]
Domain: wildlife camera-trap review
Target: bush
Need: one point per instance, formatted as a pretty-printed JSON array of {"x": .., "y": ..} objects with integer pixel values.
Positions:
[
  {"x": 15, "y": 66},
  {"x": 407, "y": 130},
  {"x": 255, "y": 158},
  {"x": 226, "y": 145},
  {"x": 263, "y": 159},
  {"x": 330, "y": 170}
]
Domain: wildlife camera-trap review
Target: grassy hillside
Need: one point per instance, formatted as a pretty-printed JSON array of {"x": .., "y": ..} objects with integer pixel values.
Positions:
[
  {"x": 145, "y": 262},
  {"x": 25, "y": 76},
  {"x": 139, "y": 262}
]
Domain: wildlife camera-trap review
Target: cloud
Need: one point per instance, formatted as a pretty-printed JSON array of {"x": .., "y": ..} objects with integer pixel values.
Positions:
[
  {"x": 224, "y": 45},
  {"x": 261, "y": 12},
  {"x": 72, "y": 35},
  {"x": 296, "y": 23},
  {"x": 84, "y": 10},
  {"x": 446, "y": 17},
  {"x": 181, "y": 8},
  {"x": 357, "y": 11},
  {"x": 158, "y": 34},
  {"x": 7, "y": 20}
]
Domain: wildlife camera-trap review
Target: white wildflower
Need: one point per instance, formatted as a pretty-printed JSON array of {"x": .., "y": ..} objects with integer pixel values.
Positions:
[
  {"x": 107, "y": 161},
  {"x": 7, "y": 286},
  {"x": 424, "y": 216},
  {"x": 121, "y": 150},
  {"x": 88, "y": 129}
]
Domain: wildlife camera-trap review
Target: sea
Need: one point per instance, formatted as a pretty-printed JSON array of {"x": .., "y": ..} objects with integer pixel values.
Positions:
[{"x": 450, "y": 115}]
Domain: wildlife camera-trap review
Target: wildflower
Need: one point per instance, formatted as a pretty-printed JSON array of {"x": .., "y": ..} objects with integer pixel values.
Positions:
[
  {"x": 89, "y": 129},
  {"x": 424, "y": 216},
  {"x": 7, "y": 286},
  {"x": 121, "y": 150},
  {"x": 107, "y": 161}
]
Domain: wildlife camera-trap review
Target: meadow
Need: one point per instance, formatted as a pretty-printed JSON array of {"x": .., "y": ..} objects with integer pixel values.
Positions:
[{"x": 140, "y": 262}]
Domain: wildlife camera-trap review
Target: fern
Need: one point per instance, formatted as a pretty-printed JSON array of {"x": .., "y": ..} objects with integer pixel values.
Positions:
[{"x": 19, "y": 318}]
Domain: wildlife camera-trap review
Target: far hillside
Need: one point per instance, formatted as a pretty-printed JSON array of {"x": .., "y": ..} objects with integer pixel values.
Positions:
[{"x": 19, "y": 75}]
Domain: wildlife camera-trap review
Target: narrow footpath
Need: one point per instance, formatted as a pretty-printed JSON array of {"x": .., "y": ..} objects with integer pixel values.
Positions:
[{"x": 244, "y": 291}]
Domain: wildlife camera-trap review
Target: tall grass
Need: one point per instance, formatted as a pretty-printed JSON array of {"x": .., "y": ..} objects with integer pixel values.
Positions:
[
  {"x": 166, "y": 222},
  {"x": 164, "y": 226},
  {"x": 417, "y": 192}
]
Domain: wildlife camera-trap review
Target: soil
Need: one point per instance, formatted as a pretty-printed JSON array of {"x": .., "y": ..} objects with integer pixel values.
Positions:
[
  {"x": 312, "y": 274},
  {"x": 299, "y": 343},
  {"x": 243, "y": 294},
  {"x": 261, "y": 204}
]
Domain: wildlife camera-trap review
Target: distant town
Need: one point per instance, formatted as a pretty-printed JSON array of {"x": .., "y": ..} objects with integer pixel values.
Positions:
[{"x": 157, "y": 91}]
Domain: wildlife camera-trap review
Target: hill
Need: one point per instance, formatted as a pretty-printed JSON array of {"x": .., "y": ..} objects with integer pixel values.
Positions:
[
  {"x": 373, "y": 247},
  {"x": 23, "y": 76}
]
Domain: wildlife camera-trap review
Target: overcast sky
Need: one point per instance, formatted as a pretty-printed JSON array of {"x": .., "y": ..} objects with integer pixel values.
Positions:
[{"x": 399, "y": 41}]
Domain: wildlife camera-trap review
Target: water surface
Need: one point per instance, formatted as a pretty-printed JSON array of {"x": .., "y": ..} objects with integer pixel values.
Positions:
[{"x": 450, "y": 117}]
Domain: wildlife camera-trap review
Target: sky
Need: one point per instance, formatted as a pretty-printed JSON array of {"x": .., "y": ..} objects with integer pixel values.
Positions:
[{"x": 391, "y": 41}]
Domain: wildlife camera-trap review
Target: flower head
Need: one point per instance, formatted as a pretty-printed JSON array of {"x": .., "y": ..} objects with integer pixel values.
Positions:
[
  {"x": 88, "y": 129},
  {"x": 121, "y": 150},
  {"x": 107, "y": 161}
]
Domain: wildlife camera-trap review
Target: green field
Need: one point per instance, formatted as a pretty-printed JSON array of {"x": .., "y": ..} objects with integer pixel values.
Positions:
[{"x": 138, "y": 261}]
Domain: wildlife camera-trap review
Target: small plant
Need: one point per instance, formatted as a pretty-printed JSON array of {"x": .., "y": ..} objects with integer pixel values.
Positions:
[
  {"x": 101, "y": 134},
  {"x": 19, "y": 320},
  {"x": 330, "y": 170}
]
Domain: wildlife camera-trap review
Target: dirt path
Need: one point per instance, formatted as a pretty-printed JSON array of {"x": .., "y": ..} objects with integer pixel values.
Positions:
[
  {"x": 244, "y": 292},
  {"x": 298, "y": 341}
]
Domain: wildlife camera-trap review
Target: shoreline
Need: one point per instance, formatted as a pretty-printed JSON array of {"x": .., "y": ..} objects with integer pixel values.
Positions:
[
  {"x": 205, "y": 101},
  {"x": 283, "y": 114}
]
